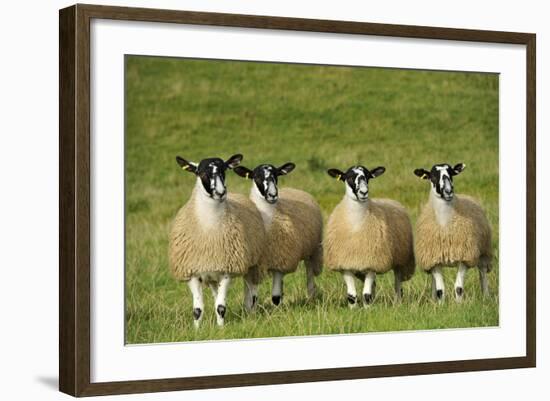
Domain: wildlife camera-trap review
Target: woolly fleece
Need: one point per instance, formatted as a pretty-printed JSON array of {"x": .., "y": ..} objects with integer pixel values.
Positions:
[
  {"x": 234, "y": 246},
  {"x": 295, "y": 233},
  {"x": 383, "y": 242},
  {"x": 466, "y": 238}
]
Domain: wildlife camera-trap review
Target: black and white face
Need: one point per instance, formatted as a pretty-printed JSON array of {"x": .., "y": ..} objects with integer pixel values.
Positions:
[
  {"x": 441, "y": 178},
  {"x": 357, "y": 179},
  {"x": 265, "y": 178},
  {"x": 211, "y": 173}
]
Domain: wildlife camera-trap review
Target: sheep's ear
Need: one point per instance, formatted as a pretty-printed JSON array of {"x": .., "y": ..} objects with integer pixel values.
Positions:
[
  {"x": 458, "y": 168},
  {"x": 422, "y": 173},
  {"x": 234, "y": 161},
  {"x": 378, "y": 171},
  {"x": 244, "y": 172},
  {"x": 285, "y": 168},
  {"x": 185, "y": 165},
  {"x": 334, "y": 172}
]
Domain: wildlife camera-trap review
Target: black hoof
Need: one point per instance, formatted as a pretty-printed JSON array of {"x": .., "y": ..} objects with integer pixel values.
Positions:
[
  {"x": 439, "y": 294},
  {"x": 276, "y": 299},
  {"x": 368, "y": 298},
  {"x": 352, "y": 299},
  {"x": 221, "y": 310},
  {"x": 401, "y": 293},
  {"x": 254, "y": 300},
  {"x": 197, "y": 312},
  {"x": 459, "y": 291}
]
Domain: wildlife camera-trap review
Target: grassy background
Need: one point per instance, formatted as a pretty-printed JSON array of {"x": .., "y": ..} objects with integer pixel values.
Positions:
[{"x": 318, "y": 117}]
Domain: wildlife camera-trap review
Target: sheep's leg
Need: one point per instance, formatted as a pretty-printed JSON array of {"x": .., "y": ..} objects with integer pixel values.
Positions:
[
  {"x": 459, "y": 282},
  {"x": 223, "y": 286},
  {"x": 349, "y": 279},
  {"x": 277, "y": 288},
  {"x": 483, "y": 280},
  {"x": 437, "y": 274},
  {"x": 369, "y": 288},
  {"x": 310, "y": 274},
  {"x": 314, "y": 267},
  {"x": 398, "y": 280},
  {"x": 250, "y": 294},
  {"x": 198, "y": 306}
]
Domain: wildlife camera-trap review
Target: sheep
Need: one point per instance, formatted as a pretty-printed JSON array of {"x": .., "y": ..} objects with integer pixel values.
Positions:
[
  {"x": 214, "y": 237},
  {"x": 293, "y": 223},
  {"x": 365, "y": 237},
  {"x": 452, "y": 230}
]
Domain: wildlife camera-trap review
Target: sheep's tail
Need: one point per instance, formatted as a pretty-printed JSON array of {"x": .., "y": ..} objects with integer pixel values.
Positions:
[{"x": 315, "y": 261}]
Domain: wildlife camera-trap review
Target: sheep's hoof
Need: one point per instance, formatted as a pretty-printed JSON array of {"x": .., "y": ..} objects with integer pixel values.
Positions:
[
  {"x": 197, "y": 312},
  {"x": 399, "y": 294},
  {"x": 439, "y": 295},
  {"x": 368, "y": 298},
  {"x": 254, "y": 300},
  {"x": 221, "y": 311},
  {"x": 459, "y": 291},
  {"x": 352, "y": 300},
  {"x": 276, "y": 299}
]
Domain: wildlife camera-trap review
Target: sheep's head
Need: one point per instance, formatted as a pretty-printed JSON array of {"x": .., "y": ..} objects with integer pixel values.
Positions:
[
  {"x": 265, "y": 178},
  {"x": 441, "y": 178},
  {"x": 211, "y": 173},
  {"x": 357, "y": 179}
]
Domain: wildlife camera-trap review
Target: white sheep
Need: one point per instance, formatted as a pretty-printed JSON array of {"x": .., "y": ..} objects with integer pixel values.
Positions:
[
  {"x": 452, "y": 230},
  {"x": 365, "y": 237},
  {"x": 215, "y": 236},
  {"x": 293, "y": 223}
]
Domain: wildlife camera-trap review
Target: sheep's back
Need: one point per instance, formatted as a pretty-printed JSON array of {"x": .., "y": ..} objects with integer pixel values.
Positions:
[
  {"x": 295, "y": 231},
  {"x": 382, "y": 242},
  {"x": 466, "y": 238},
  {"x": 233, "y": 246}
]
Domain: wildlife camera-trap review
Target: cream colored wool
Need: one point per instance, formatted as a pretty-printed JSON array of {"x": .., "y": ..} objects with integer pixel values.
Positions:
[
  {"x": 295, "y": 233},
  {"x": 233, "y": 246},
  {"x": 382, "y": 243},
  {"x": 466, "y": 238}
]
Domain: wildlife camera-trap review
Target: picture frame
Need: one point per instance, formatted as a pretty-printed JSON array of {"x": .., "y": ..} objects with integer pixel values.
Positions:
[{"x": 75, "y": 199}]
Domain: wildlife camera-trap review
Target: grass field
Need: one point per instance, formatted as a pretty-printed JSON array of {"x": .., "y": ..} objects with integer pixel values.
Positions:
[{"x": 319, "y": 118}]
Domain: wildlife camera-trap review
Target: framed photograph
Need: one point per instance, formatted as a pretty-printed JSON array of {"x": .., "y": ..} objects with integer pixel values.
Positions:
[{"x": 250, "y": 200}]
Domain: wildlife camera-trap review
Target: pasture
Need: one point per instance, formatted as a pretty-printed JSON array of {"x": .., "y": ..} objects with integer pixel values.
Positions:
[{"x": 318, "y": 117}]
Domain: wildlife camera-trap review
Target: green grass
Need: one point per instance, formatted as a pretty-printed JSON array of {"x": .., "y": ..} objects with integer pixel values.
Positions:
[{"x": 317, "y": 117}]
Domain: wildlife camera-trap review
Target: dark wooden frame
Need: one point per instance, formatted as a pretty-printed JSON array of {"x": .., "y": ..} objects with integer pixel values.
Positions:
[{"x": 74, "y": 199}]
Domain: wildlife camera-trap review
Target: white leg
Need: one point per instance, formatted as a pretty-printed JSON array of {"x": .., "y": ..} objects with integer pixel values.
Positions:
[
  {"x": 398, "y": 287},
  {"x": 437, "y": 274},
  {"x": 368, "y": 288},
  {"x": 250, "y": 294},
  {"x": 483, "y": 281},
  {"x": 459, "y": 283},
  {"x": 277, "y": 288},
  {"x": 220, "y": 299},
  {"x": 433, "y": 286},
  {"x": 349, "y": 279},
  {"x": 198, "y": 306}
]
